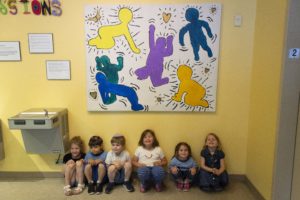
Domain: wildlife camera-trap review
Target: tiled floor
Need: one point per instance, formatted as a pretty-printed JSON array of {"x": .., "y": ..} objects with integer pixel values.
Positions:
[{"x": 52, "y": 188}]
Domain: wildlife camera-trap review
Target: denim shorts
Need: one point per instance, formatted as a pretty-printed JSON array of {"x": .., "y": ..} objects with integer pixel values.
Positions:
[{"x": 120, "y": 176}]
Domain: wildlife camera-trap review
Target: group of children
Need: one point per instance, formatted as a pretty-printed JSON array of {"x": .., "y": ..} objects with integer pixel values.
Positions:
[{"x": 97, "y": 167}]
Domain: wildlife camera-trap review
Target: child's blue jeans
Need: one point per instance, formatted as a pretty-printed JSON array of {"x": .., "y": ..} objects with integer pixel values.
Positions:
[
  {"x": 207, "y": 179},
  {"x": 147, "y": 174}
]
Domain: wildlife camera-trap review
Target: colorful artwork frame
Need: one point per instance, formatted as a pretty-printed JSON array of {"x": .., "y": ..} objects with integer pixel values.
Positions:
[{"x": 152, "y": 57}]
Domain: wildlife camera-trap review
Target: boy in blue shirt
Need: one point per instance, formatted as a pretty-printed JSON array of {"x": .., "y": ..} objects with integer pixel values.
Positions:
[{"x": 95, "y": 169}]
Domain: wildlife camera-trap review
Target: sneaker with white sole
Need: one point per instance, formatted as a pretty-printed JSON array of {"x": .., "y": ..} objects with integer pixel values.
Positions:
[
  {"x": 99, "y": 188},
  {"x": 91, "y": 188},
  {"x": 128, "y": 186},
  {"x": 109, "y": 187}
]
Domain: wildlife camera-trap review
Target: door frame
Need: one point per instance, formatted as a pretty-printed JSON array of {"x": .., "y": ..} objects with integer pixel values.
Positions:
[{"x": 288, "y": 110}]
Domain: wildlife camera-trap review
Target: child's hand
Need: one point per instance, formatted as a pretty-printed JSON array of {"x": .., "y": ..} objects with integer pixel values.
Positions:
[
  {"x": 157, "y": 163},
  {"x": 70, "y": 162},
  {"x": 174, "y": 170},
  {"x": 218, "y": 172},
  {"x": 79, "y": 162},
  {"x": 91, "y": 162},
  {"x": 97, "y": 162},
  {"x": 193, "y": 171},
  {"x": 118, "y": 164}
]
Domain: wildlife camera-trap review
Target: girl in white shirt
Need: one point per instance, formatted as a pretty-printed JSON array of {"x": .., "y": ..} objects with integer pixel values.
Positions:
[{"x": 149, "y": 159}]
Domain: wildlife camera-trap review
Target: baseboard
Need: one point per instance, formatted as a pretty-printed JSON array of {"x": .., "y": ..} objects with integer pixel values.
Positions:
[
  {"x": 20, "y": 175},
  {"x": 253, "y": 189},
  {"x": 240, "y": 177},
  {"x": 36, "y": 175}
]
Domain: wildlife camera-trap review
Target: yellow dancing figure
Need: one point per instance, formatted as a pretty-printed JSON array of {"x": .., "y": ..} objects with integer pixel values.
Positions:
[
  {"x": 194, "y": 92},
  {"x": 106, "y": 34}
]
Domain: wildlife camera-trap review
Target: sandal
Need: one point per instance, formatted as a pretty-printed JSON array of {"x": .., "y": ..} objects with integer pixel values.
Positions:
[
  {"x": 78, "y": 189},
  {"x": 67, "y": 190}
]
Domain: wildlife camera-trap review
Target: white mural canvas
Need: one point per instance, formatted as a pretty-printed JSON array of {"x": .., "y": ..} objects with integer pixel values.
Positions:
[{"x": 152, "y": 57}]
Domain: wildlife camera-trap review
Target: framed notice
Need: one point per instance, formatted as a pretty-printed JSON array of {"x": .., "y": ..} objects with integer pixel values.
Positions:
[
  {"x": 58, "y": 70},
  {"x": 10, "y": 51},
  {"x": 40, "y": 43}
]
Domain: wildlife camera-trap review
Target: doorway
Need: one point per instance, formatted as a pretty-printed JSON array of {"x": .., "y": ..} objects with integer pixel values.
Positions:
[
  {"x": 287, "y": 157},
  {"x": 295, "y": 194}
]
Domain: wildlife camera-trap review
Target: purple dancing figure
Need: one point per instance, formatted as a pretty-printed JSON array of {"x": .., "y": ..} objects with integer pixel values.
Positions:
[{"x": 163, "y": 47}]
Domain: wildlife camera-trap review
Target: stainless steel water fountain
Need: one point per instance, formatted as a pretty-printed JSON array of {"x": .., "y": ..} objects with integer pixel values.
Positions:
[{"x": 43, "y": 130}]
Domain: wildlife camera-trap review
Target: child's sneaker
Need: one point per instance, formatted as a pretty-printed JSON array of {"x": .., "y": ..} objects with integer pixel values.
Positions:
[
  {"x": 99, "y": 188},
  {"x": 142, "y": 188},
  {"x": 109, "y": 187},
  {"x": 67, "y": 190},
  {"x": 186, "y": 185},
  {"x": 128, "y": 186},
  {"x": 158, "y": 187},
  {"x": 91, "y": 188}
]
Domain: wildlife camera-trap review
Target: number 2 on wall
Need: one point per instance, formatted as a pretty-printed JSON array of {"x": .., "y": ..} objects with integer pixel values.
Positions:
[{"x": 294, "y": 53}]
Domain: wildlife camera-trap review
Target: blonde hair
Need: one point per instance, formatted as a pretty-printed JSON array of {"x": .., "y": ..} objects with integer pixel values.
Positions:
[
  {"x": 78, "y": 141},
  {"x": 219, "y": 147},
  {"x": 119, "y": 139}
]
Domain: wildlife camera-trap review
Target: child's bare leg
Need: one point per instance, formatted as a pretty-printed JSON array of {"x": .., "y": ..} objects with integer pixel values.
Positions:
[
  {"x": 79, "y": 177},
  {"x": 88, "y": 173},
  {"x": 128, "y": 170},
  {"x": 127, "y": 183},
  {"x": 112, "y": 170},
  {"x": 101, "y": 172},
  {"x": 69, "y": 172},
  {"x": 79, "y": 172}
]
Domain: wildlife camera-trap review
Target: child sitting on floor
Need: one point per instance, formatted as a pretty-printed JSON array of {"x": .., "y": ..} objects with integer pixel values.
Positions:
[
  {"x": 95, "y": 169},
  {"x": 212, "y": 174},
  {"x": 119, "y": 165},
  {"x": 183, "y": 168},
  {"x": 149, "y": 159},
  {"x": 73, "y": 167}
]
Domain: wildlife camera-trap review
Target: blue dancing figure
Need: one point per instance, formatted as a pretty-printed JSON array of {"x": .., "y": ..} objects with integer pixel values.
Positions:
[
  {"x": 110, "y": 70},
  {"x": 197, "y": 36},
  {"x": 107, "y": 89}
]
